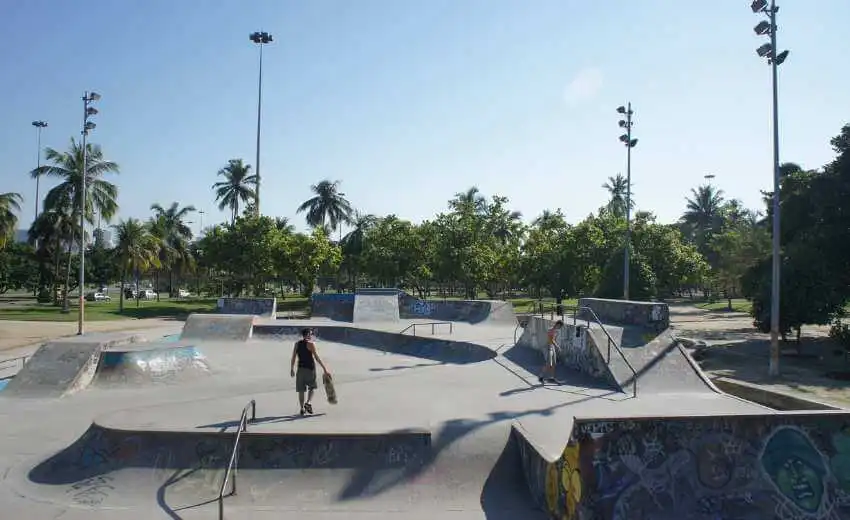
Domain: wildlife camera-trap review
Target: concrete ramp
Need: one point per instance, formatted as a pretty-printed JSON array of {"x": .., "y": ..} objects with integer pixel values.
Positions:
[
  {"x": 158, "y": 365},
  {"x": 714, "y": 466},
  {"x": 469, "y": 311},
  {"x": 218, "y": 327},
  {"x": 376, "y": 305},
  {"x": 63, "y": 367},
  {"x": 335, "y": 306}
]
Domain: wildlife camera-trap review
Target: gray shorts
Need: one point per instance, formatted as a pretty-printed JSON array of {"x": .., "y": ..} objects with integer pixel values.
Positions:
[
  {"x": 551, "y": 356},
  {"x": 305, "y": 378}
]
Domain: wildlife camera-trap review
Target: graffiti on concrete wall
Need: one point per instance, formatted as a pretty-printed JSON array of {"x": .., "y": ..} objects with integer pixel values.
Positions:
[
  {"x": 255, "y": 306},
  {"x": 422, "y": 308},
  {"x": 753, "y": 467}
]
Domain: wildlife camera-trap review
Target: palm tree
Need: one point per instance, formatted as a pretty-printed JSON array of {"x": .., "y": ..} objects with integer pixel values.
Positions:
[
  {"x": 136, "y": 249},
  {"x": 101, "y": 195},
  {"x": 9, "y": 204},
  {"x": 703, "y": 214},
  {"x": 52, "y": 231},
  {"x": 175, "y": 236},
  {"x": 471, "y": 201},
  {"x": 617, "y": 189},
  {"x": 65, "y": 197},
  {"x": 328, "y": 207},
  {"x": 282, "y": 224},
  {"x": 354, "y": 242},
  {"x": 236, "y": 188}
]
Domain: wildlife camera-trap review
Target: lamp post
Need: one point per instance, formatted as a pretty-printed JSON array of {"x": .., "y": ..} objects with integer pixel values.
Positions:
[
  {"x": 260, "y": 38},
  {"x": 88, "y": 111},
  {"x": 39, "y": 125},
  {"x": 629, "y": 143},
  {"x": 769, "y": 51},
  {"x": 708, "y": 178}
]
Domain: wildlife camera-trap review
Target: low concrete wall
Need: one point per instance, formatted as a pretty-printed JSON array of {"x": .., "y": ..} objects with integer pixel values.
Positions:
[
  {"x": 769, "y": 398},
  {"x": 655, "y": 315},
  {"x": 265, "y": 307},
  {"x": 218, "y": 327},
  {"x": 575, "y": 349},
  {"x": 338, "y": 307}
]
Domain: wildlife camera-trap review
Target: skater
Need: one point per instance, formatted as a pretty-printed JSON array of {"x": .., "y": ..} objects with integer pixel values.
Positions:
[
  {"x": 550, "y": 354},
  {"x": 305, "y": 379}
]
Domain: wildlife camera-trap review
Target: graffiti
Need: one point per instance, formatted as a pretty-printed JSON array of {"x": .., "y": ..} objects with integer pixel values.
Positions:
[
  {"x": 92, "y": 491},
  {"x": 422, "y": 308},
  {"x": 747, "y": 467},
  {"x": 255, "y": 306},
  {"x": 795, "y": 467}
]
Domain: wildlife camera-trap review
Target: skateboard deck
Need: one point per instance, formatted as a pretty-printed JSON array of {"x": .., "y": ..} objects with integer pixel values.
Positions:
[{"x": 330, "y": 391}]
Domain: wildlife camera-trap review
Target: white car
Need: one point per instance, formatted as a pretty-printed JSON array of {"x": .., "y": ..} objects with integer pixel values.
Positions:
[
  {"x": 183, "y": 293},
  {"x": 147, "y": 294},
  {"x": 98, "y": 297}
]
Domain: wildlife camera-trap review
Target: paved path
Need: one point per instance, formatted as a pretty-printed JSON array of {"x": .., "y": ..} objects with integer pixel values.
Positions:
[{"x": 17, "y": 334}]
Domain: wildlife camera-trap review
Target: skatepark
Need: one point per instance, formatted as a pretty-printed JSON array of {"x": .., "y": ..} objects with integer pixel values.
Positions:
[{"x": 440, "y": 415}]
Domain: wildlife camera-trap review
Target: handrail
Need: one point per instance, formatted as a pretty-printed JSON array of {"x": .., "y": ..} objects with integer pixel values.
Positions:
[
  {"x": 610, "y": 342},
  {"x": 432, "y": 324},
  {"x": 233, "y": 465},
  {"x": 23, "y": 360}
]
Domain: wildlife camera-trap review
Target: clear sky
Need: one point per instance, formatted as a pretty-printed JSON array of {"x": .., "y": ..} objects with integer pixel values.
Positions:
[{"x": 408, "y": 102}]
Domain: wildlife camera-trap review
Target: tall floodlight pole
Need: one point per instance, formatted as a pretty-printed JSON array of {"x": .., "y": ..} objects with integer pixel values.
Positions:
[
  {"x": 769, "y": 50},
  {"x": 88, "y": 111},
  {"x": 260, "y": 38},
  {"x": 39, "y": 125},
  {"x": 630, "y": 143}
]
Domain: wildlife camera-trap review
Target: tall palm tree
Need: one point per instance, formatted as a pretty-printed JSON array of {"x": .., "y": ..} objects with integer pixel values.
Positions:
[
  {"x": 703, "y": 214},
  {"x": 53, "y": 231},
  {"x": 136, "y": 249},
  {"x": 328, "y": 207},
  {"x": 175, "y": 236},
  {"x": 282, "y": 224},
  {"x": 101, "y": 195},
  {"x": 618, "y": 188},
  {"x": 236, "y": 188},
  {"x": 10, "y": 203}
]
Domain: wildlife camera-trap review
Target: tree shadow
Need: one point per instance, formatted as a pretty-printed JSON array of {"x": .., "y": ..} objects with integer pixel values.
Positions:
[{"x": 405, "y": 367}]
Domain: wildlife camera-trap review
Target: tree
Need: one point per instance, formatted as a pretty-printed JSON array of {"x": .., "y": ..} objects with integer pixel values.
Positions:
[
  {"x": 136, "y": 250},
  {"x": 174, "y": 234},
  {"x": 18, "y": 268},
  {"x": 308, "y": 255},
  {"x": 617, "y": 188},
  {"x": 236, "y": 188},
  {"x": 353, "y": 245},
  {"x": 703, "y": 216},
  {"x": 327, "y": 207},
  {"x": 65, "y": 199},
  {"x": 9, "y": 204},
  {"x": 642, "y": 281}
]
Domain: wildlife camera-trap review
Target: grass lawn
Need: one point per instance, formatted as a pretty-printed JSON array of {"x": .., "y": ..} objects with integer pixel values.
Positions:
[{"x": 738, "y": 305}]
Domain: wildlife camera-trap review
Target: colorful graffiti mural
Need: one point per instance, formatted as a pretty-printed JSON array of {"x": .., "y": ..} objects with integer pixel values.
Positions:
[{"x": 788, "y": 467}]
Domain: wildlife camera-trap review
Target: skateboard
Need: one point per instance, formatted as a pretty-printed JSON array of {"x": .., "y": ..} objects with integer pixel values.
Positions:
[{"x": 330, "y": 391}]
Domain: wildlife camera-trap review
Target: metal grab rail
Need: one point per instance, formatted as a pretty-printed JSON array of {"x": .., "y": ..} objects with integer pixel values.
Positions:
[
  {"x": 431, "y": 323},
  {"x": 233, "y": 465},
  {"x": 611, "y": 341},
  {"x": 22, "y": 359}
]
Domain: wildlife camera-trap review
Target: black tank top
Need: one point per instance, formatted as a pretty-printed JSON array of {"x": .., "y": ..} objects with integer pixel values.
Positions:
[{"x": 305, "y": 357}]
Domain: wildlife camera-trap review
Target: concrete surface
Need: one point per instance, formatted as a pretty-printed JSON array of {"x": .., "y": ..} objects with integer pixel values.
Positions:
[
  {"x": 376, "y": 305},
  {"x": 426, "y": 426},
  {"x": 21, "y": 336},
  {"x": 218, "y": 327}
]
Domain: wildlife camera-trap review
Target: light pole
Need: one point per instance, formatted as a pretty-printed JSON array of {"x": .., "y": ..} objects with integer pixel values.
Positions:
[
  {"x": 708, "y": 178},
  {"x": 39, "y": 125},
  {"x": 201, "y": 228},
  {"x": 774, "y": 59},
  {"x": 88, "y": 111},
  {"x": 260, "y": 38},
  {"x": 629, "y": 143}
]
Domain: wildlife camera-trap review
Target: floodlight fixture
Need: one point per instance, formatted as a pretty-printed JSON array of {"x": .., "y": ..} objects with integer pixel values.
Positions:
[
  {"x": 621, "y": 109},
  {"x": 91, "y": 111},
  {"x": 90, "y": 125},
  {"x": 622, "y": 123},
  {"x": 780, "y": 58},
  {"x": 624, "y": 138},
  {"x": 764, "y": 50},
  {"x": 93, "y": 96},
  {"x": 763, "y": 27},
  {"x": 758, "y": 5}
]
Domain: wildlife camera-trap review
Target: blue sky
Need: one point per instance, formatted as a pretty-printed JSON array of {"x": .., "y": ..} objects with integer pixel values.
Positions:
[{"x": 408, "y": 102}]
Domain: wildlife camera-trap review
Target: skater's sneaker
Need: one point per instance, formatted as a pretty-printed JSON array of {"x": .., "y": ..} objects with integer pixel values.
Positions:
[
  {"x": 309, "y": 408},
  {"x": 540, "y": 378},
  {"x": 302, "y": 410}
]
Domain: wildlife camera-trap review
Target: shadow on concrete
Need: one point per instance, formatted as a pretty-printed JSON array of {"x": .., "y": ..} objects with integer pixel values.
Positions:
[
  {"x": 225, "y": 425},
  {"x": 506, "y": 495}
]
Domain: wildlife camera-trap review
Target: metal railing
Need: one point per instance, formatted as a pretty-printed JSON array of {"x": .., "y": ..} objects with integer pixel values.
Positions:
[
  {"x": 611, "y": 341},
  {"x": 413, "y": 326},
  {"x": 15, "y": 360},
  {"x": 233, "y": 465}
]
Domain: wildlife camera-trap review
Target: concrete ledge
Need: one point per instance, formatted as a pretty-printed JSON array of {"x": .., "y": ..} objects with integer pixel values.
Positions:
[
  {"x": 769, "y": 398},
  {"x": 626, "y": 312}
]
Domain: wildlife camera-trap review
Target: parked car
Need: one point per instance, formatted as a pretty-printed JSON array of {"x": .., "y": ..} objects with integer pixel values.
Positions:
[
  {"x": 97, "y": 297},
  {"x": 183, "y": 293},
  {"x": 147, "y": 294}
]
